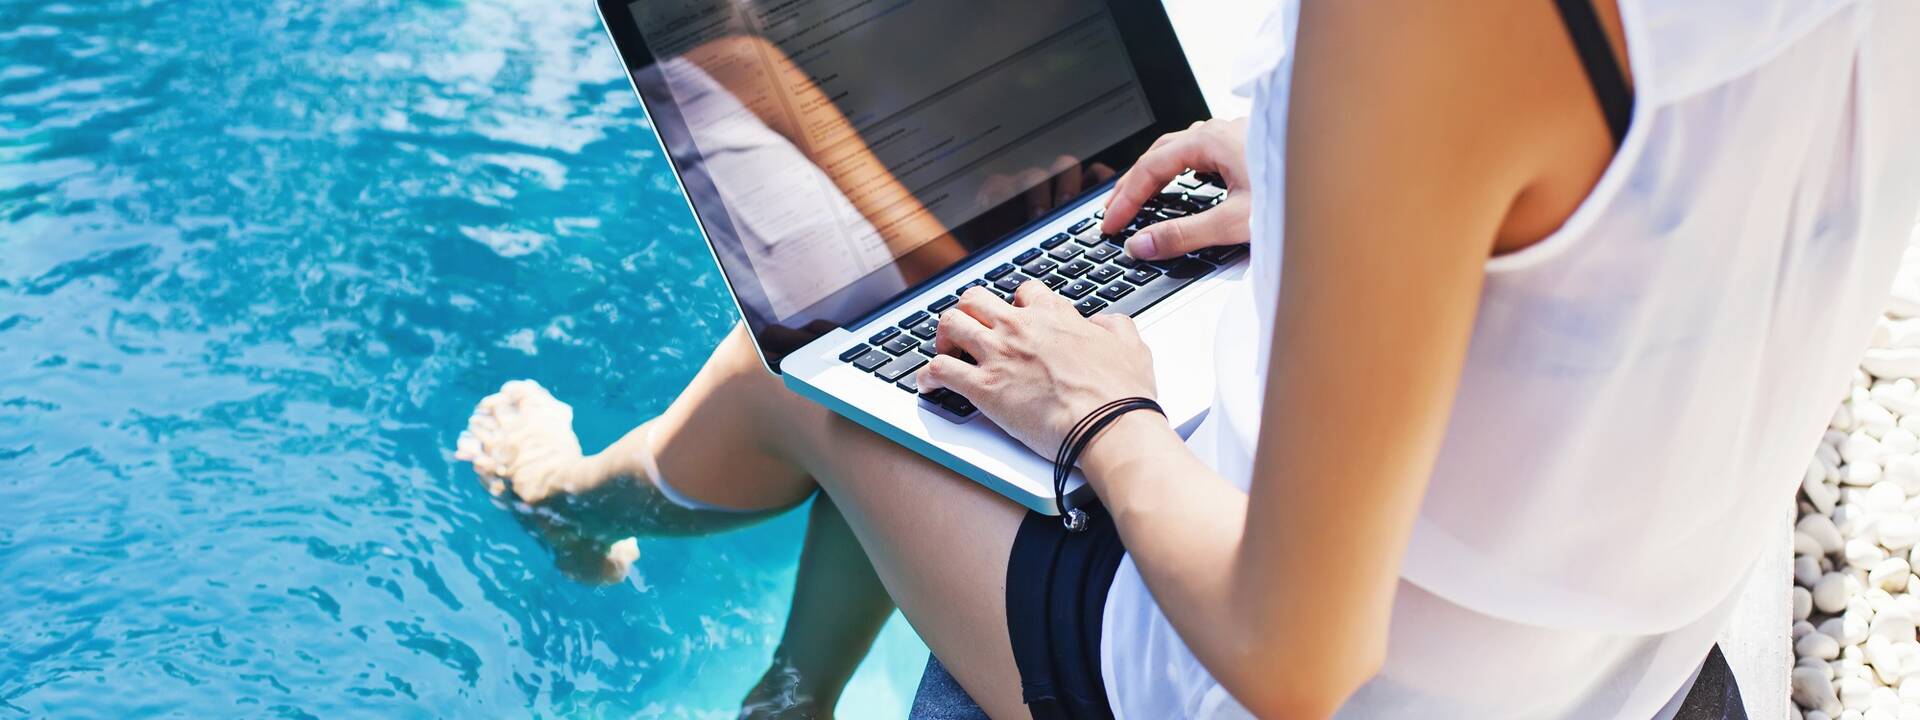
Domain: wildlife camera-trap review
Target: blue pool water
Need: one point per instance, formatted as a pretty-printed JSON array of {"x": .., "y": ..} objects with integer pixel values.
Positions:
[{"x": 257, "y": 261}]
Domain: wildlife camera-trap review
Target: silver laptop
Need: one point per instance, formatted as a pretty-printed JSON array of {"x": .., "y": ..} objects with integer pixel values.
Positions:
[{"x": 855, "y": 164}]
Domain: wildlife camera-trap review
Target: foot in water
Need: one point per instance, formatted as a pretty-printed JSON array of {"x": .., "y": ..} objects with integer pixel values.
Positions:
[{"x": 521, "y": 439}]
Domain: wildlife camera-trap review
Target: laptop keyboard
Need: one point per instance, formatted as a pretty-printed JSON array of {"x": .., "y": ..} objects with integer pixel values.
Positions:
[{"x": 1081, "y": 264}]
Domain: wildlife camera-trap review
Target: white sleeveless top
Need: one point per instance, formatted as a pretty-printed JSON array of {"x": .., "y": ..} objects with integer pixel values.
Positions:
[{"x": 1643, "y": 388}]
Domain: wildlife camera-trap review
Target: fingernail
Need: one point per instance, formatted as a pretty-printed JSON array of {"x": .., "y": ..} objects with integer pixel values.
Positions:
[{"x": 1140, "y": 246}]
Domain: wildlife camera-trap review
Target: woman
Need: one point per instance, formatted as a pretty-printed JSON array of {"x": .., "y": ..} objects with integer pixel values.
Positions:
[{"x": 1549, "y": 308}]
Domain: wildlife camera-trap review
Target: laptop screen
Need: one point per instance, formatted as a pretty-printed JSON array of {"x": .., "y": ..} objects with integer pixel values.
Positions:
[{"x": 839, "y": 152}]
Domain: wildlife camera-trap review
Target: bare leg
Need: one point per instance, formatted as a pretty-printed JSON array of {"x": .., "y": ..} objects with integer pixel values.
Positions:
[
  {"x": 839, "y": 607},
  {"x": 521, "y": 440},
  {"x": 738, "y": 438}
]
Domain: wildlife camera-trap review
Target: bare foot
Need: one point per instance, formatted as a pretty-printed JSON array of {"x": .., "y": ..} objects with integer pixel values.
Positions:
[{"x": 521, "y": 439}]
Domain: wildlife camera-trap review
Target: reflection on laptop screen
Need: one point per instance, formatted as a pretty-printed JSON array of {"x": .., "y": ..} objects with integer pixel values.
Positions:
[{"x": 835, "y": 150}]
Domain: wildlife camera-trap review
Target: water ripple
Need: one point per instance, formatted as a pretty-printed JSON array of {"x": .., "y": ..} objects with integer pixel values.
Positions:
[{"x": 256, "y": 262}]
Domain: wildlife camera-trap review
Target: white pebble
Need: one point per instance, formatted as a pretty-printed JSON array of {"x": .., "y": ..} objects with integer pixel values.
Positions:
[
  {"x": 1871, "y": 417},
  {"x": 1891, "y": 362},
  {"x": 1911, "y": 423},
  {"x": 1894, "y": 624},
  {"x": 1862, "y": 474},
  {"x": 1899, "y": 442},
  {"x": 1802, "y": 606},
  {"x": 1885, "y": 497},
  {"x": 1897, "y": 531},
  {"x": 1855, "y": 693},
  {"x": 1884, "y": 658},
  {"x": 1822, "y": 530},
  {"x": 1817, "y": 645},
  {"x": 1860, "y": 448},
  {"x": 1863, "y": 553},
  {"x": 1890, "y": 575},
  {"x": 1806, "y": 570},
  {"x": 1802, "y": 628},
  {"x": 1822, "y": 495},
  {"x": 1813, "y": 689},
  {"x": 1830, "y": 593}
]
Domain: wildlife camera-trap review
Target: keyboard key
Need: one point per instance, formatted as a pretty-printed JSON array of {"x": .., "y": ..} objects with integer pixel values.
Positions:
[
  {"x": 1000, "y": 272},
  {"x": 1030, "y": 255},
  {"x": 1065, "y": 253},
  {"x": 1220, "y": 254},
  {"x": 900, "y": 345},
  {"x": 1115, "y": 291},
  {"x": 852, "y": 353},
  {"x": 871, "y": 360},
  {"x": 958, "y": 405},
  {"x": 1116, "y": 238},
  {"x": 1054, "y": 242},
  {"x": 1004, "y": 295},
  {"x": 1053, "y": 282},
  {"x": 909, "y": 382},
  {"x": 884, "y": 335},
  {"x": 1126, "y": 261},
  {"x": 964, "y": 288},
  {"x": 941, "y": 305},
  {"x": 1189, "y": 183},
  {"x": 926, "y": 348},
  {"x": 1039, "y": 268},
  {"x": 1089, "y": 306},
  {"x": 1082, "y": 226},
  {"x": 1089, "y": 240},
  {"x": 1009, "y": 283},
  {"x": 918, "y": 316},
  {"x": 1213, "y": 179},
  {"x": 927, "y": 329},
  {"x": 1102, "y": 253},
  {"x": 1105, "y": 274},
  {"x": 893, "y": 371},
  {"x": 1142, "y": 275},
  {"x": 1078, "y": 289},
  {"x": 1076, "y": 268}
]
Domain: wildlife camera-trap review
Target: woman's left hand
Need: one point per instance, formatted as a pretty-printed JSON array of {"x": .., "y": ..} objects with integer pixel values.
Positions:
[{"x": 1040, "y": 367}]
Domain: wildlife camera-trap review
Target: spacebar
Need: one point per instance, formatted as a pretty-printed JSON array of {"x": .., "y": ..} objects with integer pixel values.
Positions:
[{"x": 1176, "y": 277}]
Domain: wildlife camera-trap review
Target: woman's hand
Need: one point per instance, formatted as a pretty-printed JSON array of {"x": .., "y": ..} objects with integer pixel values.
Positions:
[
  {"x": 1041, "y": 367},
  {"x": 1215, "y": 146}
]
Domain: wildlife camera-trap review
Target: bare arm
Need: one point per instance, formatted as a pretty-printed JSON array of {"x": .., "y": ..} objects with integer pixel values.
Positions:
[{"x": 1407, "y": 150}]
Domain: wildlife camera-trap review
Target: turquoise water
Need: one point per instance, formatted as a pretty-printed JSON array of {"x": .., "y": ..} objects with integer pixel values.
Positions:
[{"x": 257, "y": 261}]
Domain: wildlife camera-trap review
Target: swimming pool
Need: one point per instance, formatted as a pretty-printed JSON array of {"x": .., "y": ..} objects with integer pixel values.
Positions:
[{"x": 257, "y": 261}]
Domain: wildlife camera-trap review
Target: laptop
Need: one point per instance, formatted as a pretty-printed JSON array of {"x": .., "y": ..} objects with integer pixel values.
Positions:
[{"x": 856, "y": 164}]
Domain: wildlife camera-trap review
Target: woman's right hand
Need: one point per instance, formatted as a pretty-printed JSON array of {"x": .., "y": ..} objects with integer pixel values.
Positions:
[{"x": 1215, "y": 146}]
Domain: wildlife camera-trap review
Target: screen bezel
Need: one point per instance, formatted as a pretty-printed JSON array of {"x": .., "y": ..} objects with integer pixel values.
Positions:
[{"x": 1160, "y": 64}]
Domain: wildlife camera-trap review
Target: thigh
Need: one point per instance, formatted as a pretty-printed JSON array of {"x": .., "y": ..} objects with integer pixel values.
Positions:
[{"x": 939, "y": 543}]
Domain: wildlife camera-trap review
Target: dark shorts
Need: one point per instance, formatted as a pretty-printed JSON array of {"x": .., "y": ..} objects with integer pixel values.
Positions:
[{"x": 1056, "y": 592}]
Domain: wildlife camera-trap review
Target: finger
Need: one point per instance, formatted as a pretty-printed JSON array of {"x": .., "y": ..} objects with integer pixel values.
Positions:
[
  {"x": 1152, "y": 172},
  {"x": 950, "y": 373},
  {"x": 1034, "y": 293},
  {"x": 1120, "y": 325},
  {"x": 984, "y": 306},
  {"x": 1222, "y": 224},
  {"x": 960, "y": 332}
]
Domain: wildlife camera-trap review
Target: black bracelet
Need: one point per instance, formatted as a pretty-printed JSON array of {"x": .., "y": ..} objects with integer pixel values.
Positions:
[{"x": 1076, "y": 442}]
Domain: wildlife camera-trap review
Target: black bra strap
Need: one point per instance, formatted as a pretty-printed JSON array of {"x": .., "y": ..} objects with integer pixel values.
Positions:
[{"x": 1603, "y": 70}]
